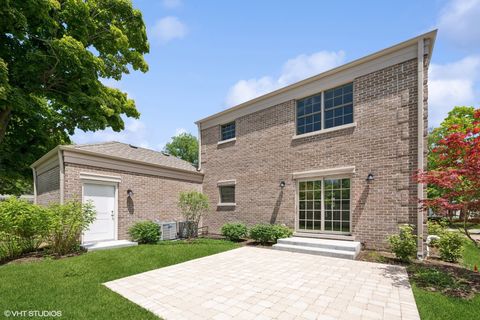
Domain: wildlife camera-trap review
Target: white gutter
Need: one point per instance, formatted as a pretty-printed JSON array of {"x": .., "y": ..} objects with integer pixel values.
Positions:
[
  {"x": 420, "y": 146},
  {"x": 62, "y": 176},
  {"x": 199, "y": 147},
  {"x": 34, "y": 185}
]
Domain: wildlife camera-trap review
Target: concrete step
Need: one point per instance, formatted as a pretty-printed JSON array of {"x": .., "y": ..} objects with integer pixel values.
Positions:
[
  {"x": 326, "y": 247},
  {"x": 104, "y": 245},
  {"x": 318, "y": 251}
]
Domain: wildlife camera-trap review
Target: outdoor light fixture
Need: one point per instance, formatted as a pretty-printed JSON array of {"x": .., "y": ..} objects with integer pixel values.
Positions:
[
  {"x": 282, "y": 184},
  {"x": 370, "y": 177},
  {"x": 129, "y": 193}
]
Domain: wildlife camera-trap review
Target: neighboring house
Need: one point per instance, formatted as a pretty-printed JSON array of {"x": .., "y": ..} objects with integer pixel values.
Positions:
[
  {"x": 330, "y": 156},
  {"x": 301, "y": 155},
  {"x": 126, "y": 184}
]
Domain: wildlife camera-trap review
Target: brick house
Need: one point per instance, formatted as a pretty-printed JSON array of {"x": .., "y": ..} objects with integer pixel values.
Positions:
[
  {"x": 331, "y": 156},
  {"x": 126, "y": 184}
]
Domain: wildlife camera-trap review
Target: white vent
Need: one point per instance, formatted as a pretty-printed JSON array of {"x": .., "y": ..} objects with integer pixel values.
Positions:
[{"x": 169, "y": 230}]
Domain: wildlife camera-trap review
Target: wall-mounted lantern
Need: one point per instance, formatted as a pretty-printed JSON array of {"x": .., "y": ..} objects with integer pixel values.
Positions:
[
  {"x": 129, "y": 193},
  {"x": 282, "y": 184},
  {"x": 370, "y": 177}
]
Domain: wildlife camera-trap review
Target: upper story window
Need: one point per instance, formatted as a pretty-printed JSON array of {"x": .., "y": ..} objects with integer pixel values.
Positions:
[
  {"x": 331, "y": 108},
  {"x": 339, "y": 106},
  {"x": 227, "y": 131}
]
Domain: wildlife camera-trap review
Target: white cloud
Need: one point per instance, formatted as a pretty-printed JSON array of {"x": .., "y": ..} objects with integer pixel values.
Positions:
[
  {"x": 450, "y": 85},
  {"x": 458, "y": 22},
  {"x": 296, "y": 69},
  {"x": 171, "y": 3},
  {"x": 169, "y": 28},
  {"x": 135, "y": 133}
]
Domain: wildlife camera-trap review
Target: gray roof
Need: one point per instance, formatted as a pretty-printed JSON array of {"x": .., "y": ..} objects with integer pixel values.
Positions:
[{"x": 129, "y": 152}]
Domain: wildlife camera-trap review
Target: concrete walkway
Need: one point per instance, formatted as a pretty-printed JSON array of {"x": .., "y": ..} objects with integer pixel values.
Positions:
[{"x": 255, "y": 283}]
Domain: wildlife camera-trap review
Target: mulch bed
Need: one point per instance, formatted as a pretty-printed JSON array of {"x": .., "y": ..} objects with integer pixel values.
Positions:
[{"x": 433, "y": 274}]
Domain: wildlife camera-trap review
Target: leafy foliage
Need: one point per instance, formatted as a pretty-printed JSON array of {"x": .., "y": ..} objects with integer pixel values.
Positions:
[
  {"x": 23, "y": 227},
  {"x": 193, "y": 205},
  {"x": 145, "y": 232},
  {"x": 52, "y": 57},
  {"x": 234, "y": 231},
  {"x": 68, "y": 221},
  {"x": 450, "y": 246},
  {"x": 437, "y": 227},
  {"x": 269, "y": 233},
  {"x": 404, "y": 244},
  {"x": 456, "y": 175},
  {"x": 184, "y": 146}
]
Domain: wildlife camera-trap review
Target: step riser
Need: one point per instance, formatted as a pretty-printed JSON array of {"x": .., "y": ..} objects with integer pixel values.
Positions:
[
  {"x": 317, "y": 245},
  {"x": 326, "y": 254}
]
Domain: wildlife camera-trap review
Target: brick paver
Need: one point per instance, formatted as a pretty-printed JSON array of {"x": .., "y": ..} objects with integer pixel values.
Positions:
[{"x": 256, "y": 283}]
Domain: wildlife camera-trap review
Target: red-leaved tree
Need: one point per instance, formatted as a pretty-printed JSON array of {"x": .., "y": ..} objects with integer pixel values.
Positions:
[{"x": 457, "y": 175}]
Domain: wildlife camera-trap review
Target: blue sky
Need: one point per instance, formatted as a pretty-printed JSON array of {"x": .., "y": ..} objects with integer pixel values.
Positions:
[{"x": 208, "y": 55}]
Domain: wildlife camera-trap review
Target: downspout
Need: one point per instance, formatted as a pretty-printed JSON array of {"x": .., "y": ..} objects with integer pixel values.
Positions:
[
  {"x": 34, "y": 185},
  {"x": 62, "y": 176},
  {"x": 420, "y": 146},
  {"x": 199, "y": 147}
]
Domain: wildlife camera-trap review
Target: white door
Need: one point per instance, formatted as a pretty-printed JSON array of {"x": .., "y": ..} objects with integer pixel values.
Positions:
[{"x": 103, "y": 198}]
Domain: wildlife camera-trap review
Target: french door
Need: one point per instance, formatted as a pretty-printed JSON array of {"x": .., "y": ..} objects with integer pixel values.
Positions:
[{"x": 324, "y": 205}]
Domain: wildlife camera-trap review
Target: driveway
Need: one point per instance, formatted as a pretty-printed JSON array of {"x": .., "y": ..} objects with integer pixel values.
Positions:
[{"x": 256, "y": 283}]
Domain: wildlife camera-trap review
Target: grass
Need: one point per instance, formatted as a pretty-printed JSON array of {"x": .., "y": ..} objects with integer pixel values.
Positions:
[
  {"x": 470, "y": 225},
  {"x": 74, "y": 285},
  {"x": 437, "y": 305}
]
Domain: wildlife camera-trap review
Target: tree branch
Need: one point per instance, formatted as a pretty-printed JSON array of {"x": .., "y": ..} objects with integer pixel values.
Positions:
[{"x": 5, "y": 116}]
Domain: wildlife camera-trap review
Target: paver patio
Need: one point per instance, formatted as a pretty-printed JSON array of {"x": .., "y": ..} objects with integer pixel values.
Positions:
[{"x": 257, "y": 283}]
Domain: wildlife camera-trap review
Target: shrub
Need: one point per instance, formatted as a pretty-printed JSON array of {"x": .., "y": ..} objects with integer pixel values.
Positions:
[
  {"x": 404, "y": 245},
  {"x": 68, "y": 221},
  {"x": 23, "y": 227},
  {"x": 193, "y": 205},
  {"x": 234, "y": 231},
  {"x": 450, "y": 246},
  {"x": 437, "y": 227},
  {"x": 145, "y": 232},
  {"x": 269, "y": 233}
]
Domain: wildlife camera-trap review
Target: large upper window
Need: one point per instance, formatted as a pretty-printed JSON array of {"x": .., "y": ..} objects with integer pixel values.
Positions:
[
  {"x": 227, "y": 131},
  {"x": 335, "y": 109}
]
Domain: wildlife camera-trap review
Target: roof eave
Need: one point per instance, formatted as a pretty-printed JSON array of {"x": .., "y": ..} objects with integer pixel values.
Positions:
[{"x": 428, "y": 35}]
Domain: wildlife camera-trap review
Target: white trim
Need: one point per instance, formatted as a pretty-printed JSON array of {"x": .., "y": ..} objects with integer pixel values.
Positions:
[
  {"x": 318, "y": 132},
  {"x": 62, "y": 176},
  {"x": 420, "y": 147},
  {"x": 223, "y": 183},
  {"x": 34, "y": 185},
  {"x": 99, "y": 177},
  {"x": 324, "y": 172},
  {"x": 227, "y": 141},
  {"x": 226, "y": 204},
  {"x": 108, "y": 183},
  {"x": 384, "y": 58}
]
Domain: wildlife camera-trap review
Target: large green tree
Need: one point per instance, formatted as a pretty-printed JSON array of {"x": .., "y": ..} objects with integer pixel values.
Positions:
[
  {"x": 184, "y": 146},
  {"x": 53, "y": 54}
]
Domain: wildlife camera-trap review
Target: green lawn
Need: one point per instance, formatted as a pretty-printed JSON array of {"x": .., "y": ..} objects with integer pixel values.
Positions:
[
  {"x": 74, "y": 285},
  {"x": 436, "y": 306}
]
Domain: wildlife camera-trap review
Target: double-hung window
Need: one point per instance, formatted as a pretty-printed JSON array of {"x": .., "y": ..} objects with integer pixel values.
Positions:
[
  {"x": 227, "y": 131},
  {"x": 328, "y": 109},
  {"x": 226, "y": 189}
]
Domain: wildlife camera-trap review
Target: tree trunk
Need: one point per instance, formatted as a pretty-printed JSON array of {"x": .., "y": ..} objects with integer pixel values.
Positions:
[
  {"x": 465, "y": 228},
  {"x": 4, "y": 120}
]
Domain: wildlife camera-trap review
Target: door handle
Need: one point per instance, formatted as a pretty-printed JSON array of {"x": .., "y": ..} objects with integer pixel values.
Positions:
[{"x": 112, "y": 215}]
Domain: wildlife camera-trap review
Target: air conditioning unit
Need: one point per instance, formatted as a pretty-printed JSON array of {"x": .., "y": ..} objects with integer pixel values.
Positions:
[{"x": 169, "y": 230}]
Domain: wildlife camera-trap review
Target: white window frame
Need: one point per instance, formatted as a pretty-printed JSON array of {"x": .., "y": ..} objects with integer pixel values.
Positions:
[
  {"x": 226, "y": 183},
  {"x": 297, "y": 207}
]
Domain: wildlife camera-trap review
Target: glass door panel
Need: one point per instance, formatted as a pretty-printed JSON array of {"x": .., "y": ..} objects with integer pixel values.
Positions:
[
  {"x": 310, "y": 205},
  {"x": 337, "y": 205}
]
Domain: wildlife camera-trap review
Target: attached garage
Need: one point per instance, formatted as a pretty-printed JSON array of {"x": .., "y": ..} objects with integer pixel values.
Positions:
[{"x": 126, "y": 184}]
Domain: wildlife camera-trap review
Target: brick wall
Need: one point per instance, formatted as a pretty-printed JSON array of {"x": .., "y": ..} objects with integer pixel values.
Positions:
[
  {"x": 154, "y": 197},
  {"x": 48, "y": 185},
  {"x": 384, "y": 142}
]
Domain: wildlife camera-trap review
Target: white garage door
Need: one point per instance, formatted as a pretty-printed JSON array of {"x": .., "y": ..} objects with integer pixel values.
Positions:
[{"x": 103, "y": 197}]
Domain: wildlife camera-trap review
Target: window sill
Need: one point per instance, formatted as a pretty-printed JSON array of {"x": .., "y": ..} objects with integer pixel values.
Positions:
[
  {"x": 233, "y": 204},
  {"x": 227, "y": 141},
  {"x": 315, "y": 133}
]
